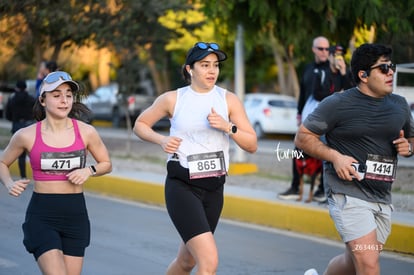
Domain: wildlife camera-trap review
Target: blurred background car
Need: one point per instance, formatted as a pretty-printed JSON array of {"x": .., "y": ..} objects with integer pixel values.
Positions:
[
  {"x": 108, "y": 104},
  {"x": 271, "y": 113}
]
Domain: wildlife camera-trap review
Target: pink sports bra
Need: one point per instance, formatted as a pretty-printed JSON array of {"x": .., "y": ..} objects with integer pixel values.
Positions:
[{"x": 51, "y": 163}]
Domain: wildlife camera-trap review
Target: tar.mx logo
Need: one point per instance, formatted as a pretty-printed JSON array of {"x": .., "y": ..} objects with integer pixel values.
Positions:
[{"x": 288, "y": 153}]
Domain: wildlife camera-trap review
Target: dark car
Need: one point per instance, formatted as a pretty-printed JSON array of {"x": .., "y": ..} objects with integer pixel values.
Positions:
[{"x": 108, "y": 104}]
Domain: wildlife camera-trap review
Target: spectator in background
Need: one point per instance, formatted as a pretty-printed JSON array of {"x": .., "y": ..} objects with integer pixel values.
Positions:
[
  {"x": 45, "y": 68},
  {"x": 203, "y": 121},
  {"x": 337, "y": 78},
  {"x": 341, "y": 78},
  {"x": 314, "y": 81},
  {"x": 19, "y": 110}
]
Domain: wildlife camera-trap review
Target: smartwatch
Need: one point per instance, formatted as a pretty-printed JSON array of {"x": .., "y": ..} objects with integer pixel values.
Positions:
[
  {"x": 93, "y": 170},
  {"x": 232, "y": 129}
]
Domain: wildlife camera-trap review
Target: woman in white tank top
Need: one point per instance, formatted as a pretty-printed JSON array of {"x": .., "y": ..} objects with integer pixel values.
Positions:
[{"x": 203, "y": 117}]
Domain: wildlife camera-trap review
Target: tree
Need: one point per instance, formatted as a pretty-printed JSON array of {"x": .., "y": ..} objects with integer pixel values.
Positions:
[
  {"x": 288, "y": 27},
  {"x": 155, "y": 34},
  {"x": 50, "y": 24},
  {"x": 138, "y": 38},
  {"x": 123, "y": 27}
]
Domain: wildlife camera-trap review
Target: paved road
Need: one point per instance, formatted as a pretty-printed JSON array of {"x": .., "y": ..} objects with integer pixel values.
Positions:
[{"x": 133, "y": 239}]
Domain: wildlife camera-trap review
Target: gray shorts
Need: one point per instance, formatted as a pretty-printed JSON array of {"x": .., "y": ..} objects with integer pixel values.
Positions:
[{"x": 355, "y": 218}]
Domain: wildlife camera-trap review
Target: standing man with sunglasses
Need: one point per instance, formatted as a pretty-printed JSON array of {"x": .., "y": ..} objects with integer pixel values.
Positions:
[
  {"x": 315, "y": 81},
  {"x": 204, "y": 117},
  {"x": 366, "y": 128}
]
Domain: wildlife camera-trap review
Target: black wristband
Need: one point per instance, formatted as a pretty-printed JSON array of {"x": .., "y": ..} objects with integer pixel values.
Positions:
[{"x": 93, "y": 170}]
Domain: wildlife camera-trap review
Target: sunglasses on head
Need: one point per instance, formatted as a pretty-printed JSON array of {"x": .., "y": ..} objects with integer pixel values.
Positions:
[
  {"x": 385, "y": 68},
  {"x": 55, "y": 76},
  {"x": 322, "y": 49},
  {"x": 205, "y": 46}
]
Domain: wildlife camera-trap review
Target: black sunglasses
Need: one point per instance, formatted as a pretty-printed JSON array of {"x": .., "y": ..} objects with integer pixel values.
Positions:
[
  {"x": 205, "y": 46},
  {"x": 55, "y": 76},
  {"x": 322, "y": 49},
  {"x": 385, "y": 68}
]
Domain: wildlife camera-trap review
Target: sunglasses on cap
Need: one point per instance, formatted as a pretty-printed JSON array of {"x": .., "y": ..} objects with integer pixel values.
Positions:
[
  {"x": 205, "y": 46},
  {"x": 322, "y": 49},
  {"x": 56, "y": 76},
  {"x": 385, "y": 68}
]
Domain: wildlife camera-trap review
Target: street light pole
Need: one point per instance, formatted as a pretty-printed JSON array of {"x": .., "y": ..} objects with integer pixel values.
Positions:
[{"x": 239, "y": 154}]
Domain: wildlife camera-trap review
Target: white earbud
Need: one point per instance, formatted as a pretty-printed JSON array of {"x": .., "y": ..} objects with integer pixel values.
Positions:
[{"x": 191, "y": 72}]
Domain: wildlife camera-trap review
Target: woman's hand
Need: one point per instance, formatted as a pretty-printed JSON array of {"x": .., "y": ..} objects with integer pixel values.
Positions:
[
  {"x": 17, "y": 187},
  {"x": 217, "y": 121},
  {"x": 79, "y": 176},
  {"x": 170, "y": 144}
]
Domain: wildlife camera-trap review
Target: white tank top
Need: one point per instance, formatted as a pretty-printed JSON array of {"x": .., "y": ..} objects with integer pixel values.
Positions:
[{"x": 189, "y": 122}]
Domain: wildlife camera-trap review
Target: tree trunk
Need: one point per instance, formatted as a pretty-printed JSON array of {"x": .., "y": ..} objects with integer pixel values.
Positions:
[
  {"x": 278, "y": 57},
  {"x": 293, "y": 82},
  {"x": 56, "y": 52}
]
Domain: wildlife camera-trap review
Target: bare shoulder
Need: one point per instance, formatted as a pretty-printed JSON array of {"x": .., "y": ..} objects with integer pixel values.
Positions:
[
  {"x": 25, "y": 136},
  {"x": 170, "y": 93},
  {"x": 169, "y": 96},
  {"x": 232, "y": 98},
  {"x": 166, "y": 102},
  {"x": 86, "y": 129},
  {"x": 29, "y": 130}
]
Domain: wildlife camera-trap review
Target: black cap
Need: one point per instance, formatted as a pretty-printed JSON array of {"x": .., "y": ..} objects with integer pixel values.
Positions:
[
  {"x": 195, "y": 54},
  {"x": 21, "y": 84}
]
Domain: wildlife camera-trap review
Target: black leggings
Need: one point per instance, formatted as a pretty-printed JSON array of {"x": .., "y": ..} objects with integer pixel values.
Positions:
[
  {"x": 192, "y": 209},
  {"x": 56, "y": 221}
]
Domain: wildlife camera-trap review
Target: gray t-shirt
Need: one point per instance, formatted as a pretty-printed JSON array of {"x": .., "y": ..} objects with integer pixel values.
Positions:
[{"x": 358, "y": 125}]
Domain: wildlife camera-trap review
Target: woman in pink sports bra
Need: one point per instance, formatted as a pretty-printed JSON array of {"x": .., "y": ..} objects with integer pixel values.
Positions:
[{"x": 57, "y": 145}]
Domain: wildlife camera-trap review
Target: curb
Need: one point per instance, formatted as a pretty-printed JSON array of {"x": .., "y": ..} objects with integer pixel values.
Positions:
[
  {"x": 242, "y": 168},
  {"x": 308, "y": 220}
]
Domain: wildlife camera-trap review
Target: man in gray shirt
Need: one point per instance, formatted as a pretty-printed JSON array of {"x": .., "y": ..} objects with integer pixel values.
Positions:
[{"x": 366, "y": 127}]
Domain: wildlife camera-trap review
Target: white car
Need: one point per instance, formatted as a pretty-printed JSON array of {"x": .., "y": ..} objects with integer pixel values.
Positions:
[
  {"x": 271, "y": 113},
  {"x": 106, "y": 103}
]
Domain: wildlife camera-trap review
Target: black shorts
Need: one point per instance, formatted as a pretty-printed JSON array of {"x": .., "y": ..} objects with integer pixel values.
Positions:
[
  {"x": 192, "y": 209},
  {"x": 56, "y": 221}
]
